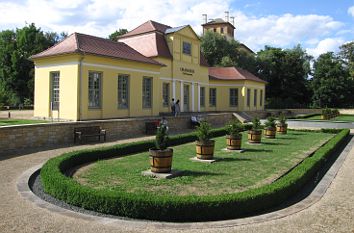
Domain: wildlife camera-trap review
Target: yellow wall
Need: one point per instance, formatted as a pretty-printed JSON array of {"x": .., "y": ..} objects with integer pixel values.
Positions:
[
  {"x": 182, "y": 70},
  {"x": 223, "y": 95},
  {"x": 67, "y": 66},
  {"x": 110, "y": 69}
]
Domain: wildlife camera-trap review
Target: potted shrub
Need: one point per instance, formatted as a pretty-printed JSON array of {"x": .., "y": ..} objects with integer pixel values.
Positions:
[
  {"x": 160, "y": 155},
  {"x": 204, "y": 146},
  {"x": 234, "y": 136},
  {"x": 326, "y": 114},
  {"x": 282, "y": 126},
  {"x": 269, "y": 130},
  {"x": 255, "y": 134}
]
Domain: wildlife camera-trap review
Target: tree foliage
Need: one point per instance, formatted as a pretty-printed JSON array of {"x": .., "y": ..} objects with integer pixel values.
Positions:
[
  {"x": 220, "y": 51},
  {"x": 331, "y": 84},
  {"x": 114, "y": 36},
  {"x": 16, "y": 70},
  {"x": 286, "y": 72}
]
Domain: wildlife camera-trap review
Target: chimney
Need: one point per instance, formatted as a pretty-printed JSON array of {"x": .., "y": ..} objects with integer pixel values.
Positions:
[
  {"x": 205, "y": 18},
  {"x": 226, "y": 16},
  {"x": 232, "y": 20}
]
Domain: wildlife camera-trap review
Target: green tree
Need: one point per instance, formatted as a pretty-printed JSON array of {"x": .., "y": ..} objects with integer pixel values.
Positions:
[
  {"x": 114, "y": 36},
  {"x": 16, "y": 70},
  {"x": 220, "y": 51},
  {"x": 286, "y": 72},
  {"x": 331, "y": 84},
  {"x": 347, "y": 54}
]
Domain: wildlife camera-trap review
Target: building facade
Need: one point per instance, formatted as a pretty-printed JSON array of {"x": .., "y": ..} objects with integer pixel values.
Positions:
[{"x": 86, "y": 77}]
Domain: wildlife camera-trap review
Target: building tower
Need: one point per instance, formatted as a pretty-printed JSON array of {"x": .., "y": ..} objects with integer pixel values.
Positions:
[{"x": 223, "y": 27}]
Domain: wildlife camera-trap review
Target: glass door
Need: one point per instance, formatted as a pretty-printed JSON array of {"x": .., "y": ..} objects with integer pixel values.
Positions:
[{"x": 186, "y": 98}]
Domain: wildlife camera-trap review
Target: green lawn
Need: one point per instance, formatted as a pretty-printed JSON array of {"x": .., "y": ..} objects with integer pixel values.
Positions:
[
  {"x": 343, "y": 117},
  {"x": 234, "y": 172},
  {"x": 4, "y": 122}
]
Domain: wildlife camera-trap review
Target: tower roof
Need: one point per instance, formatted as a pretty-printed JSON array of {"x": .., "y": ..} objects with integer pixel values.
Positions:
[{"x": 218, "y": 21}]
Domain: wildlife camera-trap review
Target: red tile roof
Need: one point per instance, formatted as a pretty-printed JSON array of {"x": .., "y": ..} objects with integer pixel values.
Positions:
[
  {"x": 86, "y": 44},
  {"x": 150, "y": 45},
  {"x": 232, "y": 73},
  {"x": 149, "y": 26},
  {"x": 149, "y": 40}
]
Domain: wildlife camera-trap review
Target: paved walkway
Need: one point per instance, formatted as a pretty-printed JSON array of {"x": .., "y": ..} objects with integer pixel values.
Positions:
[{"x": 333, "y": 213}]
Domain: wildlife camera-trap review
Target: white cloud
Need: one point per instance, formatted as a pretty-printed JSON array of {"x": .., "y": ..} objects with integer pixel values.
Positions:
[
  {"x": 102, "y": 17},
  {"x": 326, "y": 45},
  {"x": 284, "y": 30},
  {"x": 351, "y": 11}
]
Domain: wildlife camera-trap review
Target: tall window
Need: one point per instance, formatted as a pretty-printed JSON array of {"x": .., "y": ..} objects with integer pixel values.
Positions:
[
  {"x": 166, "y": 94},
  {"x": 233, "y": 97},
  {"x": 261, "y": 98},
  {"x": 248, "y": 97},
  {"x": 187, "y": 48},
  {"x": 95, "y": 89},
  {"x": 222, "y": 30},
  {"x": 202, "y": 96},
  {"x": 255, "y": 98},
  {"x": 212, "y": 97},
  {"x": 54, "y": 76},
  {"x": 123, "y": 91},
  {"x": 147, "y": 92}
]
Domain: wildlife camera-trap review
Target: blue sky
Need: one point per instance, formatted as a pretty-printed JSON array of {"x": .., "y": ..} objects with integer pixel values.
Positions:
[{"x": 319, "y": 26}]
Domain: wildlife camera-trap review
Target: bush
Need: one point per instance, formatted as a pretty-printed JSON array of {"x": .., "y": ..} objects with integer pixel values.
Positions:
[
  {"x": 270, "y": 123},
  {"x": 161, "y": 138},
  {"x": 203, "y": 132},
  {"x": 234, "y": 128},
  {"x": 175, "y": 208},
  {"x": 256, "y": 124}
]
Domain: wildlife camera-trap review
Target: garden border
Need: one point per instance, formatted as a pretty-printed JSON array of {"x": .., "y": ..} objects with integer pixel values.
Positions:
[{"x": 176, "y": 208}]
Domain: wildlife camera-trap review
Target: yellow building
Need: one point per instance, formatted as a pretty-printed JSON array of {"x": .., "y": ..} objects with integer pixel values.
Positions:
[{"x": 86, "y": 77}]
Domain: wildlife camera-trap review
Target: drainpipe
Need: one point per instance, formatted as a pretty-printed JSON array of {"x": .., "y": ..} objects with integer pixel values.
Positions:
[{"x": 80, "y": 85}]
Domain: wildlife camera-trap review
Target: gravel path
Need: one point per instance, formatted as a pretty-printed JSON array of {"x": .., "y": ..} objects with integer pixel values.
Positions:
[{"x": 333, "y": 213}]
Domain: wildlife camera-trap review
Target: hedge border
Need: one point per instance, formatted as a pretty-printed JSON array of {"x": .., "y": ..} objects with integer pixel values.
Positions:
[{"x": 175, "y": 208}]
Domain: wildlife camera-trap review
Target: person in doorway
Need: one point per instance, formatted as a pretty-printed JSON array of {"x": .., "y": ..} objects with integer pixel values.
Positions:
[
  {"x": 177, "y": 108},
  {"x": 173, "y": 107}
]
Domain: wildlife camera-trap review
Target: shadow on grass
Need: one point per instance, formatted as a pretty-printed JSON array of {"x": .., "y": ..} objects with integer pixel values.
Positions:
[
  {"x": 235, "y": 159},
  {"x": 197, "y": 173},
  {"x": 287, "y": 138},
  {"x": 257, "y": 150},
  {"x": 297, "y": 133},
  {"x": 272, "y": 143}
]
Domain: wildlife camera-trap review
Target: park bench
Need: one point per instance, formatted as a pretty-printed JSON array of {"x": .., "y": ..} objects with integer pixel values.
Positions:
[
  {"x": 151, "y": 126},
  {"x": 89, "y": 131}
]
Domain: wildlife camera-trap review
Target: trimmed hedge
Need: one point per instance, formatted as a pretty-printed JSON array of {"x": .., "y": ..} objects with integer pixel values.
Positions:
[{"x": 175, "y": 208}]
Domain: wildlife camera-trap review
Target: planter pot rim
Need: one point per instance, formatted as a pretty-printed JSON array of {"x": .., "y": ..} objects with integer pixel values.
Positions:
[
  {"x": 270, "y": 128},
  {"x": 210, "y": 142},
  {"x": 234, "y": 137},
  {"x": 167, "y": 149},
  {"x": 252, "y": 130}
]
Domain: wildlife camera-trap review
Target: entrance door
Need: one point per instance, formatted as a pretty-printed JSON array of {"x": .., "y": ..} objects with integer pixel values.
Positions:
[{"x": 186, "y": 98}]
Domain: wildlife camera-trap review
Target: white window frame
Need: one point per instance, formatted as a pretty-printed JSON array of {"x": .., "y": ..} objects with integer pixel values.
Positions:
[
  {"x": 123, "y": 91},
  {"x": 95, "y": 92}
]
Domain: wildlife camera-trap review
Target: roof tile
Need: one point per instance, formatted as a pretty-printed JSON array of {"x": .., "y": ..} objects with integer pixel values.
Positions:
[
  {"x": 81, "y": 43},
  {"x": 232, "y": 73}
]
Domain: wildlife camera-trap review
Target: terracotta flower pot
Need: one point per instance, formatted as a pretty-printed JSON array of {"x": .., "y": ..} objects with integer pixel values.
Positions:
[
  {"x": 205, "y": 150},
  {"x": 161, "y": 160},
  {"x": 254, "y": 136},
  {"x": 269, "y": 132},
  {"x": 233, "y": 142}
]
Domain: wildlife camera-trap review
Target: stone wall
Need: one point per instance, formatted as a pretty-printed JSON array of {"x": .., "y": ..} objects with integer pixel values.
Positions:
[{"x": 61, "y": 133}]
